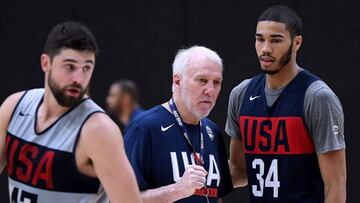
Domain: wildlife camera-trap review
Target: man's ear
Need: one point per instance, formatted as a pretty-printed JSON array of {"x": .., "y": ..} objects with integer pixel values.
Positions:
[
  {"x": 297, "y": 42},
  {"x": 176, "y": 80},
  {"x": 45, "y": 62}
]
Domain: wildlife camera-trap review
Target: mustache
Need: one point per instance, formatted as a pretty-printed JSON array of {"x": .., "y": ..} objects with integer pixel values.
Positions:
[
  {"x": 74, "y": 85},
  {"x": 266, "y": 55},
  {"x": 209, "y": 99}
]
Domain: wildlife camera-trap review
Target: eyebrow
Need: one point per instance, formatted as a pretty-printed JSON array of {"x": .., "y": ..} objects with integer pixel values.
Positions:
[
  {"x": 277, "y": 35},
  {"x": 75, "y": 61},
  {"x": 272, "y": 36},
  {"x": 204, "y": 75}
]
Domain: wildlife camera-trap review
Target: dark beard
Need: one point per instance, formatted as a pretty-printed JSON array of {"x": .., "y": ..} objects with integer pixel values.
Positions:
[
  {"x": 59, "y": 93},
  {"x": 284, "y": 60}
]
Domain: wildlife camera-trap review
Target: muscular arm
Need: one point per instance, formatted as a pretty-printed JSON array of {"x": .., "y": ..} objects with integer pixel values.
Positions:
[
  {"x": 333, "y": 171},
  {"x": 102, "y": 143},
  {"x": 237, "y": 159},
  {"x": 6, "y": 110},
  {"x": 193, "y": 178},
  {"x": 325, "y": 119},
  {"x": 237, "y": 163}
]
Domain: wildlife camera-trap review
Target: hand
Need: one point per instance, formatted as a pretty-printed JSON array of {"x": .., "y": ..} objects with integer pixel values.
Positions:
[{"x": 193, "y": 178}]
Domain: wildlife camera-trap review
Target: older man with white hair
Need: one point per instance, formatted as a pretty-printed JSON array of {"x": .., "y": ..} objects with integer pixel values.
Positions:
[{"x": 176, "y": 152}]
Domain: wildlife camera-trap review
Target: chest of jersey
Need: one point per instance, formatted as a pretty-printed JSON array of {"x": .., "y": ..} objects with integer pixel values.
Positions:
[
  {"x": 41, "y": 165},
  {"x": 280, "y": 154},
  {"x": 172, "y": 154},
  {"x": 280, "y": 128}
]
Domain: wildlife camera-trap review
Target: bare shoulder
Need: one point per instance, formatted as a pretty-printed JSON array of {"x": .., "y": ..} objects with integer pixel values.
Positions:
[
  {"x": 100, "y": 138},
  {"x": 8, "y": 106},
  {"x": 12, "y": 100},
  {"x": 100, "y": 124},
  {"x": 101, "y": 154},
  {"x": 6, "y": 110},
  {"x": 100, "y": 129}
]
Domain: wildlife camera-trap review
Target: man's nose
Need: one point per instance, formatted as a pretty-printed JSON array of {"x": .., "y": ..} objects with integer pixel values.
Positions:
[
  {"x": 266, "y": 49},
  {"x": 209, "y": 89},
  {"x": 78, "y": 76}
]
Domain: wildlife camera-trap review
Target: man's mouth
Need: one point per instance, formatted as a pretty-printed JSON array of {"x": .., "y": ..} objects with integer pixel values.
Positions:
[{"x": 267, "y": 60}]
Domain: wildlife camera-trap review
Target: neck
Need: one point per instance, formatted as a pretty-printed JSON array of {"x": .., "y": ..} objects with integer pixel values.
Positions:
[
  {"x": 50, "y": 108},
  {"x": 186, "y": 115},
  {"x": 283, "y": 77}
]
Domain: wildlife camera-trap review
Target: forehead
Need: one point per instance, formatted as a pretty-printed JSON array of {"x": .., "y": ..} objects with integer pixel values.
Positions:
[
  {"x": 203, "y": 66},
  {"x": 115, "y": 88},
  {"x": 76, "y": 56},
  {"x": 271, "y": 28}
]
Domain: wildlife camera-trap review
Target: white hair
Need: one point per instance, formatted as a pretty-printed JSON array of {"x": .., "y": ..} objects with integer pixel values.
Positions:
[{"x": 183, "y": 57}]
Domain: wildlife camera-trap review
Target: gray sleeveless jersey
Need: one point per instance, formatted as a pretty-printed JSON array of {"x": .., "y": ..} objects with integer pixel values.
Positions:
[{"x": 41, "y": 165}]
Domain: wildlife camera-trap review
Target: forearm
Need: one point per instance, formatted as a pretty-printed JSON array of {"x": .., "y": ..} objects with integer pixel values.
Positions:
[
  {"x": 333, "y": 171},
  {"x": 165, "y": 194},
  {"x": 335, "y": 193},
  {"x": 238, "y": 175},
  {"x": 237, "y": 165}
]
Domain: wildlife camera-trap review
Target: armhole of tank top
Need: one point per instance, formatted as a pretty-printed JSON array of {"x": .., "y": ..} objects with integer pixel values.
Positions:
[
  {"x": 76, "y": 142},
  {"x": 80, "y": 129},
  {"x": 306, "y": 124},
  {"x": 304, "y": 109},
  {"x": 17, "y": 105},
  {"x": 241, "y": 97}
]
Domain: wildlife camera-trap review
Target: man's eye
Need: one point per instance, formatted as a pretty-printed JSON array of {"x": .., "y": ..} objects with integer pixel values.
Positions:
[
  {"x": 203, "y": 81},
  {"x": 69, "y": 67},
  {"x": 259, "y": 39},
  {"x": 86, "y": 68},
  {"x": 276, "y": 40}
]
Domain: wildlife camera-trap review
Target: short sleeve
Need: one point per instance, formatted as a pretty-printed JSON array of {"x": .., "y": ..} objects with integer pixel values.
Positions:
[
  {"x": 138, "y": 150},
  {"x": 232, "y": 127},
  {"x": 324, "y": 117}
]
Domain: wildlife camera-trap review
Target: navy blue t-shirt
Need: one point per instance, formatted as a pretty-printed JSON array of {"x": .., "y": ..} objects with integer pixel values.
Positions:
[
  {"x": 158, "y": 153},
  {"x": 136, "y": 113}
]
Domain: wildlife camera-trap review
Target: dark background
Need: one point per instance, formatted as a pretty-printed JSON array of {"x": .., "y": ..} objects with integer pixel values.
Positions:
[{"x": 138, "y": 40}]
